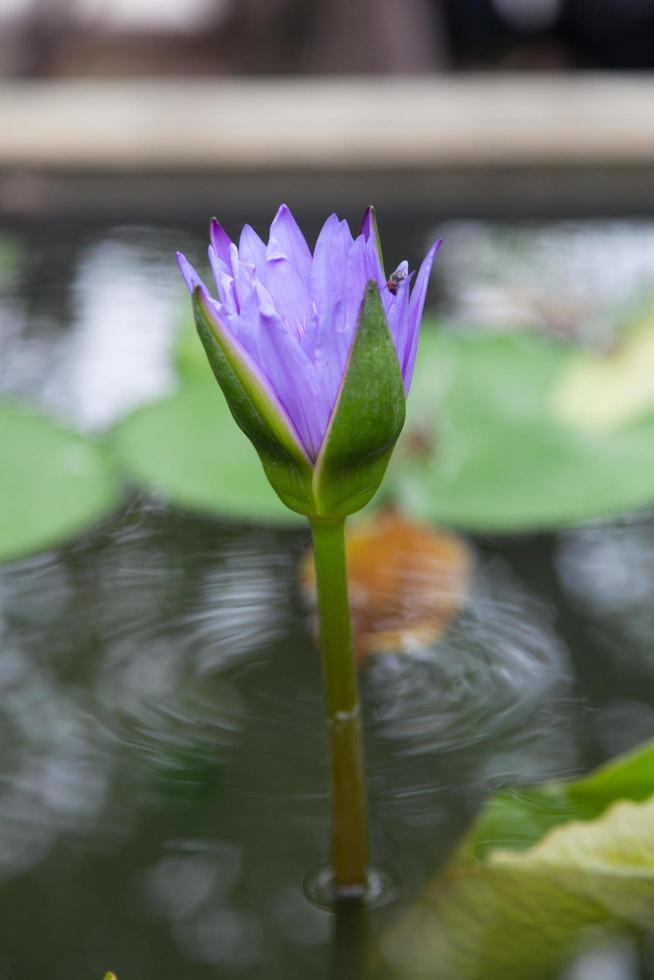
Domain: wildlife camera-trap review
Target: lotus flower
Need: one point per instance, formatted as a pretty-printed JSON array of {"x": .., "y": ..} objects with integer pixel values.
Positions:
[{"x": 314, "y": 352}]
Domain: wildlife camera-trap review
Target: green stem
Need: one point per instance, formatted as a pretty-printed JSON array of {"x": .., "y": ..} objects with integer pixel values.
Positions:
[{"x": 349, "y": 823}]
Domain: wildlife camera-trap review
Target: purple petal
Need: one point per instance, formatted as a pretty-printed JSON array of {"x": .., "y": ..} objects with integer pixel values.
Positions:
[
  {"x": 251, "y": 366},
  {"x": 224, "y": 280},
  {"x": 191, "y": 278},
  {"x": 288, "y": 290},
  {"x": 416, "y": 306},
  {"x": 251, "y": 248},
  {"x": 220, "y": 240},
  {"x": 327, "y": 343},
  {"x": 290, "y": 241},
  {"x": 355, "y": 276},
  {"x": 397, "y": 312},
  {"x": 370, "y": 232},
  {"x": 329, "y": 262},
  {"x": 368, "y": 223},
  {"x": 291, "y": 373},
  {"x": 374, "y": 269}
]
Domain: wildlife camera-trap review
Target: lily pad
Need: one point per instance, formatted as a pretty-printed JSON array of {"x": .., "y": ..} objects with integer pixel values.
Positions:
[
  {"x": 188, "y": 449},
  {"x": 493, "y": 454},
  {"x": 517, "y": 818},
  {"x": 54, "y": 483},
  {"x": 525, "y": 912},
  {"x": 604, "y": 392},
  {"x": 525, "y": 915}
]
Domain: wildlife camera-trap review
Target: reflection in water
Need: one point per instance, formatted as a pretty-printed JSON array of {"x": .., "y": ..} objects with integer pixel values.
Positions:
[
  {"x": 126, "y": 317},
  {"x": 90, "y": 337},
  {"x": 608, "y": 573},
  {"x": 193, "y": 892},
  {"x": 54, "y": 775},
  {"x": 494, "y": 667}
]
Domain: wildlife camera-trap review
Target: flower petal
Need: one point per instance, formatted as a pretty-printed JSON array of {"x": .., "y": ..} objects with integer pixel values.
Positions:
[
  {"x": 286, "y": 233},
  {"x": 329, "y": 262},
  {"x": 397, "y": 312},
  {"x": 416, "y": 306},
  {"x": 220, "y": 240},
  {"x": 263, "y": 412},
  {"x": 367, "y": 417},
  {"x": 276, "y": 346},
  {"x": 191, "y": 277},
  {"x": 251, "y": 248},
  {"x": 370, "y": 232},
  {"x": 288, "y": 289},
  {"x": 327, "y": 343}
]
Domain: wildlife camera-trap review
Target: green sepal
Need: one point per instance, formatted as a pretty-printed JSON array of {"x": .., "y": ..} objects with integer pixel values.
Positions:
[
  {"x": 287, "y": 467},
  {"x": 367, "y": 418}
]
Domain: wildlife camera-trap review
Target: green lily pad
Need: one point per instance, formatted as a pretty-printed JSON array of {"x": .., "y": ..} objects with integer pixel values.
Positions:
[
  {"x": 525, "y": 915},
  {"x": 517, "y": 818},
  {"x": 524, "y": 912},
  {"x": 54, "y": 483},
  {"x": 603, "y": 392},
  {"x": 188, "y": 449},
  {"x": 495, "y": 454},
  {"x": 188, "y": 354}
]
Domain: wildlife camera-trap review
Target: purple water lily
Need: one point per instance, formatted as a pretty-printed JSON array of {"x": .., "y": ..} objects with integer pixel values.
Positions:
[{"x": 291, "y": 316}]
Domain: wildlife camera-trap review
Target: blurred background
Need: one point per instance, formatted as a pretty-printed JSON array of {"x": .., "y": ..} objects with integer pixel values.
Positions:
[
  {"x": 443, "y": 107},
  {"x": 67, "y": 38}
]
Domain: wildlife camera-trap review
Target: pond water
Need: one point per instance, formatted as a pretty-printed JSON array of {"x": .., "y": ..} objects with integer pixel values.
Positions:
[{"x": 163, "y": 785}]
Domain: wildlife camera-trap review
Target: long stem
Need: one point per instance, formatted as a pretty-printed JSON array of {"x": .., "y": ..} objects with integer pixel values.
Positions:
[{"x": 349, "y": 823}]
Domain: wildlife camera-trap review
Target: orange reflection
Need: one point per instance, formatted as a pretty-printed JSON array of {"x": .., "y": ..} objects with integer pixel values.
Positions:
[{"x": 407, "y": 581}]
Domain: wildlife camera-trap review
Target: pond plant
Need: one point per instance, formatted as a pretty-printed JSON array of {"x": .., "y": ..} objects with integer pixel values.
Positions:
[{"x": 315, "y": 353}]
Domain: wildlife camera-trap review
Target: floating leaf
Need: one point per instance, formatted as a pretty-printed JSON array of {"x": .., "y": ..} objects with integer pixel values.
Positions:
[
  {"x": 518, "y": 817},
  {"x": 406, "y": 582},
  {"x": 524, "y": 912},
  {"x": 491, "y": 455},
  {"x": 603, "y": 393},
  {"x": 525, "y": 915},
  {"x": 188, "y": 448},
  {"x": 54, "y": 483},
  {"x": 189, "y": 356}
]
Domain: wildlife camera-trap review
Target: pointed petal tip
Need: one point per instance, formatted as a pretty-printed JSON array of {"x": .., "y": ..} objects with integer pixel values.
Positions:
[
  {"x": 190, "y": 276},
  {"x": 215, "y": 228},
  {"x": 284, "y": 215},
  {"x": 219, "y": 239},
  {"x": 368, "y": 222}
]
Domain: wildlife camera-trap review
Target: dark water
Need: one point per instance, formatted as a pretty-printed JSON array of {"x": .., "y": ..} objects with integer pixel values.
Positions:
[{"x": 163, "y": 787}]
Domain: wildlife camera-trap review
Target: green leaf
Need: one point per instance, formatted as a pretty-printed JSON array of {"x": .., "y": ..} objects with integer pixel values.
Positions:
[
  {"x": 187, "y": 448},
  {"x": 55, "y": 483},
  {"x": 367, "y": 419},
  {"x": 502, "y": 909},
  {"x": 190, "y": 359},
  {"x": 518, "y": 817},
  {"x": 526, "y": 915},
  {"x": 602, "y": 393},
  {"x": 499, "y": 457},
  {"x": 257, "y": 414}
]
